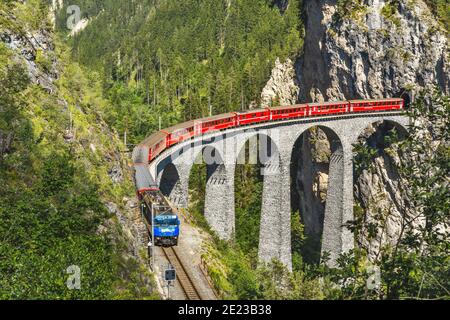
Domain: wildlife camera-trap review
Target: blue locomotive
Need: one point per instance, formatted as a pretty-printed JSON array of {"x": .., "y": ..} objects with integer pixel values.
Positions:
[
  {"x": 167, "y": 229},
  {"x": 166, "y": 223}
]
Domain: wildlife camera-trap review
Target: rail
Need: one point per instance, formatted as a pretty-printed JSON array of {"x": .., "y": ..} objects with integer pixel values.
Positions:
[{"x": 183, "y": 277}]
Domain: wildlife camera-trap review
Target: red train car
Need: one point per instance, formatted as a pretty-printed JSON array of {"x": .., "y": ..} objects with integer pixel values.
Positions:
[
  {"x": 156, "y": 143},
  {"x": 325, "y": 108},
  {"x": 287, "y": 112},
  {"x": 179, "y": 132},
  {"x": 375, "y": 105},
  {"x": 253, "y": 116},
  {"x": 219, "y": 122}
]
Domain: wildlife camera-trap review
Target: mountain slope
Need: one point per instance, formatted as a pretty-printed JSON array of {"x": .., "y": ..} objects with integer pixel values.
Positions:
[{"x": 63, "y": 181}]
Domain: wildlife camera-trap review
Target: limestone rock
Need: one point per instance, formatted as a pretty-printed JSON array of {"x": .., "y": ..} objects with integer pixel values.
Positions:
[
  {"x": 27, "y": 46},
  {"x": 367, "y": 54},
  {"x": 320, "y": 186},
  {"x": 282, "y": 87}
]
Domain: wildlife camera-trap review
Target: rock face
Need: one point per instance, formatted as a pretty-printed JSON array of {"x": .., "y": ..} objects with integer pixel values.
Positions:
[
  {"x": 378, "y": 192},
  {"x": 126, "y": 226},
  {"x": 370, "y": 49},
  {"x": 282, "y": 88},
  {"x": 37, "y": 50},
  {"x": 360, "y": 50},
  {"x": 311, "y": 181},
  {"x": 373, "y": 50}
]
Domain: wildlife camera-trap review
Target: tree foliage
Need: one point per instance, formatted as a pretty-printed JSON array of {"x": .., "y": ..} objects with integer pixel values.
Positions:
[
  {"x": 54, "y": 176},
  {"x": 416, "y": 264},
  {"x": 174, "y": 59}
]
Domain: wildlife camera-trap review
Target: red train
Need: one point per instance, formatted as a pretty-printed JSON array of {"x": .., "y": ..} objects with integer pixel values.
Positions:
[{"x": 166, "y": 138}]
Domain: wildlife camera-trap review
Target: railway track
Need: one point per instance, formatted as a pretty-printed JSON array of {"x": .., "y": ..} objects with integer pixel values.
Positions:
[{"x": 183, "y": 277}]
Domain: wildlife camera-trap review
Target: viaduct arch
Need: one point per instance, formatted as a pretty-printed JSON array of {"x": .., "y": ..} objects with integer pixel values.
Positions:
[{"x": 170, "y": 171}]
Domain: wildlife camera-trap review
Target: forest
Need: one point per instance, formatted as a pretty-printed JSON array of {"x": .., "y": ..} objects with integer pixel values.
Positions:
[{"x": 181, "y": 60}]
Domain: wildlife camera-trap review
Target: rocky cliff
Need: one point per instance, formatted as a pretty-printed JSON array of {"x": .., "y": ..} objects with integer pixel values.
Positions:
[
  {"x": 370, "y": 49},
  {"x": 365, "y": 49},
  {"x": 89, "y": 138},
  {"x": 361, "y": 50}
]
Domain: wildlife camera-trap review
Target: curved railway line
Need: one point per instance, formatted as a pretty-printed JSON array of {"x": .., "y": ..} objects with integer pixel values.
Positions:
[
  {"x": 159, "y": 141},
  {"x": 145, "y": 155},
  {"x": 183, "y": 277}
]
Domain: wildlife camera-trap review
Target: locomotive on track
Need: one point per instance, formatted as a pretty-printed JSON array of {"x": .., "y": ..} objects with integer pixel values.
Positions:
[{"x": 165, "y": 224}]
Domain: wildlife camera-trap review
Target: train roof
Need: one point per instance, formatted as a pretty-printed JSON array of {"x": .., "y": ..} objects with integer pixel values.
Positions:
[
  {"x": 252, "y": 110},
  {"x": 327, "y": 103},
  {"x": 191, "y": 123},
  {"x": 375, "y": 100},
  {"x": 217, "y": 117},
  {"x": 179, "y": 126},
  {"x": 153, "y": 139},
  {"x": 288, "y": 107},
  {"x": 142, "y": 177}
]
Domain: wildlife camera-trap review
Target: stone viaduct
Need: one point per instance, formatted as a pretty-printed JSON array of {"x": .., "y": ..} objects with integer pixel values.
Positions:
[{"x": 170, "y": 171}]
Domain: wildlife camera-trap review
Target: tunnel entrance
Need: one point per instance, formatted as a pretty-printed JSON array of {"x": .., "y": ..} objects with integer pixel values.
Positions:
[{"x": 406, "y": 95}]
